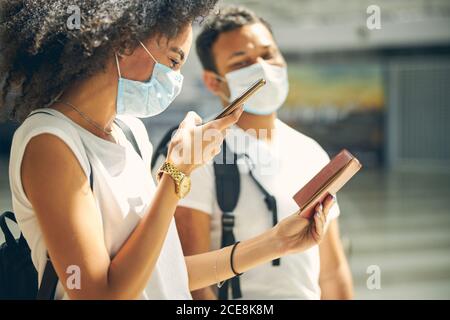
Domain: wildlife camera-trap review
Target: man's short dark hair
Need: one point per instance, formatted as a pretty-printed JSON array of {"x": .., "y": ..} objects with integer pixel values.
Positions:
[{"x": 227, "y": 19}]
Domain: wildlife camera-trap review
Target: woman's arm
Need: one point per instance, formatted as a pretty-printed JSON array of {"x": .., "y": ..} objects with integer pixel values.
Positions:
[
  {"x": 335, "y": 276},
  {"x": 293, "y": 234},
  {"x": 72, "y": 228},
  {"x": 59, "y": 192},
  {"x": 250, "y": 253},
  {"x": 194, "y": 231}
]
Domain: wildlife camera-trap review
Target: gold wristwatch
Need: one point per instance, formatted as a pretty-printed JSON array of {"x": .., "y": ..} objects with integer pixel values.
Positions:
[{"x": 182, "y": 181}]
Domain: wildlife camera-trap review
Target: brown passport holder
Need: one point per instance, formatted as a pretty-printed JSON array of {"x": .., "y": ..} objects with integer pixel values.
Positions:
[{"x": 328, "y": 181}]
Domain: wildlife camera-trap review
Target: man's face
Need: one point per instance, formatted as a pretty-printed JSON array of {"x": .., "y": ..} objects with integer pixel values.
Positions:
[{"x": 241, "y": 48}]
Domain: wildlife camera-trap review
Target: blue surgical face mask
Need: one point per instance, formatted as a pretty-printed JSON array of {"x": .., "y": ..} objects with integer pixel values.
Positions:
[{"x": 146, "y": 99}]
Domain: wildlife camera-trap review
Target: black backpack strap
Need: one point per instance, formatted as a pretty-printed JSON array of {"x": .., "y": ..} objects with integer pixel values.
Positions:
[
  {"x": 269, "y": 199},
  {"x": 49, "y": 282},
  {"x": 129, "y": 135},
  {"x": 162, "y": 147},
  {"x": 9, "y": 238},
  {"x": 227, "y": 179}
]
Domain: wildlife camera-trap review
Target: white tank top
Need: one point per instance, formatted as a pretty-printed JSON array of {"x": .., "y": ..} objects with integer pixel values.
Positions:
[{"x": 123, "y": 189}]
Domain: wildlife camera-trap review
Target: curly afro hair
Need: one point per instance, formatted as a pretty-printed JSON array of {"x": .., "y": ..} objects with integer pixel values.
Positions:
[{"x": 40, "y": 56}]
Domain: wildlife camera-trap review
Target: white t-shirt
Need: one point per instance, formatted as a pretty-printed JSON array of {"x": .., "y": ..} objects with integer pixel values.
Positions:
[
  {"x": 282, "y": 167},
  {"x": 123, "y": 190}
]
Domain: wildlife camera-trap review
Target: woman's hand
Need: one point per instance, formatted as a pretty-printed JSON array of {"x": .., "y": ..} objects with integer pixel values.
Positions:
[
  {"x": 297, "y": 234},
  {"x": 194, "y": 144}
]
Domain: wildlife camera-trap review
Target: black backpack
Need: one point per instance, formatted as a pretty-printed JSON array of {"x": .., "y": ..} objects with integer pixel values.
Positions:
[
  {"x": 18, "y": 276},
  {"x": 227, "y": 181}
]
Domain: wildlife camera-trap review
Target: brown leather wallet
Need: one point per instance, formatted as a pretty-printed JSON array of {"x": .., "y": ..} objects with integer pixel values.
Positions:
[{"x": 328, "y": 181}]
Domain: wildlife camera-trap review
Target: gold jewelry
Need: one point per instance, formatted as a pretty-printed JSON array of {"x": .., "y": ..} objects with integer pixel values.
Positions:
[
  {"x": 182, "y": 181},
  {"x": 85, "y": 117}
]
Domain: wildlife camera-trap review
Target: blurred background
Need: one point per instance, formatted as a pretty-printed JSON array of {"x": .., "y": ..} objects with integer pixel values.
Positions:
[{"x": 383, "y": 94}]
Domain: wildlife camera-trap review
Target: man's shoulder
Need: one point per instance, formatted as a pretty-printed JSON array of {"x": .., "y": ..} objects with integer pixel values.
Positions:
[{"x": 302, "y": 142}]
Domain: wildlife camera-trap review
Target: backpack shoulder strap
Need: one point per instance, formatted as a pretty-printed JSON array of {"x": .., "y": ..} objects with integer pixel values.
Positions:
[
  {"x": 129, "y": 135},
  {"x": 49, "y": 282},
  {"x": 9, "y": 238},
  {"x": 162, "y": 147},
  {"x": 227, "y": 178},
  {"x": 228, "y": 185},
  {"x": 269, "y": 199}
]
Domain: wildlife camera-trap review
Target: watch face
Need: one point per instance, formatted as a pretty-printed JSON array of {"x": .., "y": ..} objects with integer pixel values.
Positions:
[{"x": 185, "y": 186}]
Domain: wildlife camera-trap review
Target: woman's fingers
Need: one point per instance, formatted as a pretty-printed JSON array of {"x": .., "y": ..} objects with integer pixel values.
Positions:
[
  {"x": 192, "y": 119},
  {"x": 321, "y": 214},
  {"x": 327, "y": 204},
  {"x": 227, "y": 121},
  {"x": 319, "y": 221},
  {"x": 193, "y": 151}
]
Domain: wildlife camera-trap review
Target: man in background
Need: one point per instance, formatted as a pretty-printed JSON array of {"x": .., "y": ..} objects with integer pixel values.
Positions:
[{"x": 236, "y": 47}]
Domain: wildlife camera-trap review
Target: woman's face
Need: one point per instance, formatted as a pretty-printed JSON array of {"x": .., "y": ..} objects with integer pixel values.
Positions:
[{"x": 171, "y": 52}]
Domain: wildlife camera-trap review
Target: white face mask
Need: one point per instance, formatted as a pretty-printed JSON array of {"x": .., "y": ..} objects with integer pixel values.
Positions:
[{"x": 270, "y": 97}]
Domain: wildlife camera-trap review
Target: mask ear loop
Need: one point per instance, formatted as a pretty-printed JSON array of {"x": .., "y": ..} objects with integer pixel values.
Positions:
[
  {"x": 146, "y": 50},
  {"x": 221, "y": 94},
  {"x": 117, "y": 64},
  {"x": 218, "y": 77}
]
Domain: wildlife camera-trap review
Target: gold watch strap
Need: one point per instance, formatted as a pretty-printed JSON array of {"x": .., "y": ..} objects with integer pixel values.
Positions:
[{"x": 171, "y": 170}]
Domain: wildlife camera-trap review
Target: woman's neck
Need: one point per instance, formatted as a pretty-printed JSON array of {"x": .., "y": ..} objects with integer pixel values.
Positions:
[
  {"x": 95, "y": 97},
  {"x": 261, "y": 124}
]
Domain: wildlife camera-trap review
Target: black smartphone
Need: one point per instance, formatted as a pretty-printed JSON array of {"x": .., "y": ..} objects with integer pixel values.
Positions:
[{"x": 239, "y": 100}]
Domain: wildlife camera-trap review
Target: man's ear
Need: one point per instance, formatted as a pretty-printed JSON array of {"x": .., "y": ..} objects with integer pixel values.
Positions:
[{"x": 212, "y": 83}]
